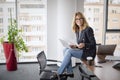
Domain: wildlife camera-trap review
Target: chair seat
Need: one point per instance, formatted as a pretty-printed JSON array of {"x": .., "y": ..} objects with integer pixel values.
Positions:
[
  {"x": 52, "y": 67},
  {"x": 47, "y": 75}
]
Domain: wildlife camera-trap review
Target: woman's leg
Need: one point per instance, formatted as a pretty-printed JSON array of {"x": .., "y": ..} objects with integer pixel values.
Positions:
[
  {"x": 76, "y": 54},
  {"x": 67, "y": 59},
  {"x": 64, "y": 50},
  {"x": 68, "y": 67}
]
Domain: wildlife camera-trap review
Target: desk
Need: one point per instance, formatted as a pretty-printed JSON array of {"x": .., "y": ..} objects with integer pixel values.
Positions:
[{"x": 106, "y": 72}]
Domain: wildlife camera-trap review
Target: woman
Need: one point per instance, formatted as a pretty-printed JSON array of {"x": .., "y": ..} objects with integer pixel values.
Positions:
[{"x": 85, "y": 40}]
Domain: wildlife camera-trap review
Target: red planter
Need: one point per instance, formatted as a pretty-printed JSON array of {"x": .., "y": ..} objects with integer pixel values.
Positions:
[{"x": 11, "y": 61}]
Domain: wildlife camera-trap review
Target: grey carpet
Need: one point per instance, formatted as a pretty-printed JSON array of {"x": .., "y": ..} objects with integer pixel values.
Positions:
[
  {"x": 27, "y": 72},
  {"x": 24, "y": 72}
]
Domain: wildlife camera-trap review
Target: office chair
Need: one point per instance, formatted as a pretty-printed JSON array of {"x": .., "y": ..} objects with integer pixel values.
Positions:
[
  {"x": 103, "y": 51},
  {"x": 84, "y": 73},
  {"x": 48, "y": 70}
]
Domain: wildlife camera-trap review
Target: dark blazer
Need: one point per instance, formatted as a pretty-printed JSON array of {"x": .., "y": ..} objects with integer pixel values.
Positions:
[{"x": 87, "y": 37}]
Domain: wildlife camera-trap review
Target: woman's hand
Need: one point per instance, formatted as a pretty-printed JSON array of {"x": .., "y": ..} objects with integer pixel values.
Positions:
[
  {"x": 81, "y": 45},
  {"x": 73, "y": 46}
]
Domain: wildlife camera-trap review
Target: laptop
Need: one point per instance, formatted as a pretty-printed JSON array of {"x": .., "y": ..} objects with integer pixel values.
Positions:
[
  {"x": 66, "y": 44},
  {"x": 106, "y": 49}
]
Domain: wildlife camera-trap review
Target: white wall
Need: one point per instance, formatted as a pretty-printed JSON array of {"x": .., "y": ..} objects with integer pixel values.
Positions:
[
  {"x": 60, "y": 15},
  {"x": 65, "y": 14},
  {"x": 52, "y": 29}
]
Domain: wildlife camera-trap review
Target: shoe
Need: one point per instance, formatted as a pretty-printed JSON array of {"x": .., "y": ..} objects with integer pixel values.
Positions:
[
  {"x": 67, "y": 75},
  {"x": 70, "y": 75},
  {"x": 53, "y": 77}
]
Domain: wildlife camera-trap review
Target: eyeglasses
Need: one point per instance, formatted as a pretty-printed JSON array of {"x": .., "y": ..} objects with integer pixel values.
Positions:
[{"x": 79, "y": 18}]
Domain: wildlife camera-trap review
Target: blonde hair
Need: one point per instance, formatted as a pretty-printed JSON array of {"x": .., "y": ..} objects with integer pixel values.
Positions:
[{"x": 74, "y": 25}]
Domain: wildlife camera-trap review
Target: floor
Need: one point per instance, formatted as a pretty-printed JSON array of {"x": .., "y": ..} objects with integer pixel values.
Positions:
[{"x": 27, "y": 72}]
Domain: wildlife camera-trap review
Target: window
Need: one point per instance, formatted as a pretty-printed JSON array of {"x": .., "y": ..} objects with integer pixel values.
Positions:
[
  {"x": 1, "y": 9},
  {"x": 113, "y": 28},
  {"x": 95, "y": 19},
  {"x": 114, "y": 15},
  {"x": 94, "y": 15},
  {"x": 32, "y": 19}
]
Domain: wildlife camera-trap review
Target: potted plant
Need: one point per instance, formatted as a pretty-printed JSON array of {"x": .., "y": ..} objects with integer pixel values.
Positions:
[{"x": 14, "y": 42}]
